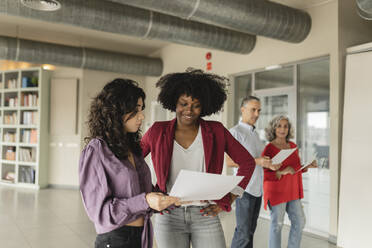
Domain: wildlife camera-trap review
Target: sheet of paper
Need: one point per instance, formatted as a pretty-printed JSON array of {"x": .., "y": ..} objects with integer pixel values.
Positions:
[
  {"x": 302, "y": 167},
  {"x": 282, "y": 155},
  {"x": 194, "y": 186},
  {"x": 305, "y": 165}
]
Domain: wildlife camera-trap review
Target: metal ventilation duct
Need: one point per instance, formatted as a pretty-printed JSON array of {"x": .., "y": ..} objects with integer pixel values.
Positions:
[
  {"x": 121, "y": 19},
  {"x": 47, "y": 53},
  {"x": 260, "y": 17},
  {"x": 43, "y": 5},
  {"x": 365, "y": 9}
]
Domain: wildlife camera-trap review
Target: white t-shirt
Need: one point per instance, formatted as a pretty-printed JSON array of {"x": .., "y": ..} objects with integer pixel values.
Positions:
[{"x": 191, "y": 158}]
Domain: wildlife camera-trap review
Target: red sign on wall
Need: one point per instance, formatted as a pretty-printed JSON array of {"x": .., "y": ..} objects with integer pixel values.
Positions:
[{"x": 208, "y": 56}]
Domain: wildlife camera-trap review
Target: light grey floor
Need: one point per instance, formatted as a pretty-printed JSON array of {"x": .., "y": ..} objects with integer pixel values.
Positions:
[{"x": 55, "y": 218}]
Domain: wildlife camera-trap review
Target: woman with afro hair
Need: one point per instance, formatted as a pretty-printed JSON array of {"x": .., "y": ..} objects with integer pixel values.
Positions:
[
  {"x": 115, "y": 181},
  {"x": 191, "y": 143}
]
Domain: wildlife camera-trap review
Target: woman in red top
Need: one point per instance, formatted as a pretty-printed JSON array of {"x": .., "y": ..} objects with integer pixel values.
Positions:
[
  {"x": 283, "y": 188},
  {"x": 191, "y": 143}
]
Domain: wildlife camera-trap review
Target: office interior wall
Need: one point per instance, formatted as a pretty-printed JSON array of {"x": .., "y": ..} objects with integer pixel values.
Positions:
[
  {"x": 355, "y": 203},
  {"x": 353, "y": 30},
  {"x": 65, "y": 148}
]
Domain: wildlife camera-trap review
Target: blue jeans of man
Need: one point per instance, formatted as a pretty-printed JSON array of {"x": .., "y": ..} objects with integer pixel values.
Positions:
[
  {"x": 296, "y": 216},
  {"x": 186, "y": 225},
  {"x": 247, "y": 211}
]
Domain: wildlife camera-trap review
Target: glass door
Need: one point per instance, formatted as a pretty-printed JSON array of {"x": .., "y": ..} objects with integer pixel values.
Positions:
[
  {"x": 277, "y": 92},
  {"x": 300, "y": 91},
  {"x": 273, "y": 103}
]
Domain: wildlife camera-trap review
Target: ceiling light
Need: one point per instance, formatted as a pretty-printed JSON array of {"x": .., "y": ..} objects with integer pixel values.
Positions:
[
  {"x": 43, "y": 5},
  {"x": 273, "y": 67},
  {"x": 48, "y": 67}
]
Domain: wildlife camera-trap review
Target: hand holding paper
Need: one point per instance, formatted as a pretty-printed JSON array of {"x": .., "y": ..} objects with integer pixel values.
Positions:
[
  {"x": 194, "y": 186},
  {"x": 313, "y": 164}
]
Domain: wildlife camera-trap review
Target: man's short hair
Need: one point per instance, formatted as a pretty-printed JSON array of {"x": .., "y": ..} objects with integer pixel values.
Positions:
[{"x": 247, "y": 99}]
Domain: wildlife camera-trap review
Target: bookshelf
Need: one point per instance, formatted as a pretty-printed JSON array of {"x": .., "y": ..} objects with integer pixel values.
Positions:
[{"x": 24, "y": 111}]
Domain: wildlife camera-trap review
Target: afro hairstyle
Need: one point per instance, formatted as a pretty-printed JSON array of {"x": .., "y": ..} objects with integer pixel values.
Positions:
[{"x": 209, "y": 89}]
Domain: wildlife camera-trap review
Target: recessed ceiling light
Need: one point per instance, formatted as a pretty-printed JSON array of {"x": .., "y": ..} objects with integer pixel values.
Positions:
[
  {"x": 273, "y": 67},
  {"x": 43, "y": 5}
]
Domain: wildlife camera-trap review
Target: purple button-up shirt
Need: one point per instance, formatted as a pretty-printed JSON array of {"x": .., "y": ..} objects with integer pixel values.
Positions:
[{"x": 113, "y": 191}]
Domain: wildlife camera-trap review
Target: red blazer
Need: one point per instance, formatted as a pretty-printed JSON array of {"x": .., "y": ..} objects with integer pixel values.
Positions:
[
  {"x": 289, "y": 187},
  {"x": 159, "y": 140}
]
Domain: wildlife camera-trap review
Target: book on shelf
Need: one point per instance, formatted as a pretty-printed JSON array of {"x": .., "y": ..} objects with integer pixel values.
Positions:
[
  {"x": 29, "y": 82},
  {"x": 10, "y": 119},
  {"x": 33, "y": 136},
  {"x": 11, "y": 83},
  {"x": 10, "y": 154},
  {"x": 9, "y": 137},
  {"x": 11, "y": 101},
  {"x": 26, "y": 175},
  {"x": 29, "y": 136},
  {"x": 27, "y": 154},
  {"x": 30, "y": 100},
  {"x": 30, "y": 117}
]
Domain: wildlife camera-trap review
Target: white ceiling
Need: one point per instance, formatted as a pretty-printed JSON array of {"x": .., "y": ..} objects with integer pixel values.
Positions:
[{"x": 75, "y": 36}]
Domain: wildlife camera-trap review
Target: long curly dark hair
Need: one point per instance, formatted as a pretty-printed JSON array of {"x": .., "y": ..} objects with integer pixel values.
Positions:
[
  {"x": 209, "y": 89},
  {"x": 117, "y": 98}
]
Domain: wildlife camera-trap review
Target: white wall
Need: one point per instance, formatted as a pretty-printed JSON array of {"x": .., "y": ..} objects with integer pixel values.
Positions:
[
  {"x": 65, "y": 149},
  {"x": 355, "y": 201}
]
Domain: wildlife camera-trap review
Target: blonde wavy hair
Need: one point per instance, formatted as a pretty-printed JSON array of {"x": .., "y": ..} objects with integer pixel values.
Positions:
[{"x": 273, "y": 124}]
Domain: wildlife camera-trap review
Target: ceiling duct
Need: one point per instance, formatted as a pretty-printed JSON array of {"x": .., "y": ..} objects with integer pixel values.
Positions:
[
  {"x": 47, "y": 53},
  {"x": 364, "y": 9},
  {"x": 43, "y": 5},
  {"x": 260, "y": 17},
  {"x": 122, "y": 19}
]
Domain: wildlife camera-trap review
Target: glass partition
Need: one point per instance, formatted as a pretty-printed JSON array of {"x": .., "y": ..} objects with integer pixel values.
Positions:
[
  {"x": 301, "y": 91},
  {"x": 313, "y": 140},
  {"x": 243, "y": 87}
]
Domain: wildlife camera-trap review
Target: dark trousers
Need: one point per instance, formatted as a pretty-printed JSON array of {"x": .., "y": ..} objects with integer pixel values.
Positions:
[
  {"x": 247, "y": 212},
  {"x": 123, "y": 237}
]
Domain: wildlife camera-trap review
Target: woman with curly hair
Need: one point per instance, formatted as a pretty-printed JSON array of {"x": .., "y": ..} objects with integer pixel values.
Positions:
[
  {"x": 191, "y": 143},
  {"x": 283, "y": 188},
  {"x": 115, "y": 181}
]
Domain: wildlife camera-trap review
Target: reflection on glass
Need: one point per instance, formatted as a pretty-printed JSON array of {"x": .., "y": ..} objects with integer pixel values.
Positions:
[
  {"x": 275, "y": 78},
  {"x": 243, "y": 88},
  {"x": 271, "y": 106},
  {"x": 313, "y": 141}
]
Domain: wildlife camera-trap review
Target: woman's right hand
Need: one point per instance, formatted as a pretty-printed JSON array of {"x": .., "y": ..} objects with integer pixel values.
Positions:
[
  {"x": 285, "y": 171},
  {"x": 159, "y": 201}
]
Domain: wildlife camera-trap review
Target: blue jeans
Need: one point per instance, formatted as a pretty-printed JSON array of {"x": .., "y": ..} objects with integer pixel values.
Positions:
[
  {"x": 247, "y": 212},
  {"x": 186, "y": 225},
  {"x": 296, "y": 216}
]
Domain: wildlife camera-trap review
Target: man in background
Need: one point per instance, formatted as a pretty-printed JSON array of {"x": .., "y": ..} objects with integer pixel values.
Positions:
[{"x": 248, "y": 206}]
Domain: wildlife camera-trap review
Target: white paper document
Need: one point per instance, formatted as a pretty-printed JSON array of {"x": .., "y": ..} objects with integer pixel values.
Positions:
[
  {"x": 196, "y": 186},
  {"x": 302, "y": 167},
  {"x": 305, "y": 165},
  {"x": 282, "y": 155}
]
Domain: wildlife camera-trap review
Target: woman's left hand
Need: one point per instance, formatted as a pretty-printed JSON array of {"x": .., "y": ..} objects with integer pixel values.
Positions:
[
  {"x": 313, "y": 164},
  {"x": 211, "y": 210}
]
